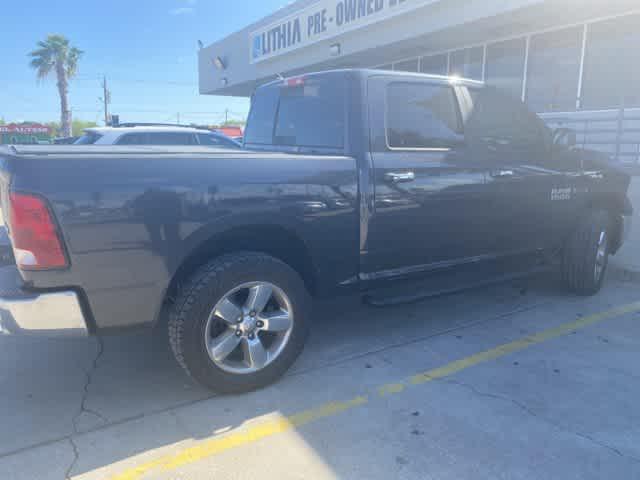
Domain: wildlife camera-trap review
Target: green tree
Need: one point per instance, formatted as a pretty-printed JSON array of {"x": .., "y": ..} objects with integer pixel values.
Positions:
[
  {"x": 55, "y": 128},
  {"x": 2, "y": 122},
  {"x": 78, "y": 126},
  {"x": 233, "y": 123},
  {"x": 56, "y": 55}
]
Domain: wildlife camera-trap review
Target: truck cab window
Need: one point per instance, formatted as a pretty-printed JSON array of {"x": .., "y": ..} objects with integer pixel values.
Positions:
[
  {"x": 264, "y": 106},
  {"x": 311, "y": 115},
  {"x": 300, "y": 112},
  {"x": 422, "y": 116},
  {"x": 498, "y": 117}
]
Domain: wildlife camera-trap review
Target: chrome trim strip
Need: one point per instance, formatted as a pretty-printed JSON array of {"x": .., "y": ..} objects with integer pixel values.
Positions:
[
  {"x": 429, "y": 267},
  {"x": 52, "y": 314}
]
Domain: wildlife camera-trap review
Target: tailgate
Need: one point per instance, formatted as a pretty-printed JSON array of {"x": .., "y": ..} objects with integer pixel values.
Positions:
[{"x": 6, "y": 252}]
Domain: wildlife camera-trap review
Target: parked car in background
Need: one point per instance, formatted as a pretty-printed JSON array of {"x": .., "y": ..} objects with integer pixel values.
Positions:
[
  {"x": 131, "y": 134},
  {"x": 65, "y": 140}
]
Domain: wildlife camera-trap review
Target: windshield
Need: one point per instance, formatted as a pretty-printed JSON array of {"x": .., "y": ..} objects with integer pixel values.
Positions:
[
  {"x": 303, "y": 112},
  {"x": 89, "y": 138}
]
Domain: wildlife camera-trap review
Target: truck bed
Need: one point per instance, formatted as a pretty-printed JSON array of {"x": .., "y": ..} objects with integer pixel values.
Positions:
[{"x": 130, "y": 216}]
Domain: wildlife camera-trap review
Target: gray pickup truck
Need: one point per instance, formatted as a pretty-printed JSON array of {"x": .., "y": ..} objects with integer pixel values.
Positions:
[{"x": 353, "y": 181}]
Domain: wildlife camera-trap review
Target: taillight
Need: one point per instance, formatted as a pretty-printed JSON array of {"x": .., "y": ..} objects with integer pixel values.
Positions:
[
  {"x": 35, "y": 240},
  {"x": 294, "y": 82}
]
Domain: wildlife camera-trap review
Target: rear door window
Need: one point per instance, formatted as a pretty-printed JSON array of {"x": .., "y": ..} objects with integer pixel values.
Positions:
[
  {"x": 422, "y": 116},
  {"x": 171, "y": 138},
  {"x": 133, "y": 139},
  {"x": 157, "y": 138},
  {"x": 211, "y": 140},
  {"x": 305, "y": 112},
  {"x": 498, "y": 117},
  {"x": 89, "y": 138}
]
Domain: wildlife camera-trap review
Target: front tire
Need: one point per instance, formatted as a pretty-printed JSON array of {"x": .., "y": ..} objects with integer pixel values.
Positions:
[
  {"x": 586, "y": 255},
  {"x": 240, "y": 322}
]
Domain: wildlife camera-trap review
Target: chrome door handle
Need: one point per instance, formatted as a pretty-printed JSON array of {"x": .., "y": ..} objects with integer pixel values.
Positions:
[
  {"x": 502, "y": 174},
  {"x": 404, "y": 177}
]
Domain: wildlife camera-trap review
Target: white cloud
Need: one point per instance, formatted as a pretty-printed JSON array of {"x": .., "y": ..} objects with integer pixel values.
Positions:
[{"x": 181, "y": 11}]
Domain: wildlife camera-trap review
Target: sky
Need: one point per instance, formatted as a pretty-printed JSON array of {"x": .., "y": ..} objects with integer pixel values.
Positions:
[{"x": 147, "y": 49}]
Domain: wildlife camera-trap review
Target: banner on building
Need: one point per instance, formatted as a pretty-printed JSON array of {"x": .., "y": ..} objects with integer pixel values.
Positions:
[{"x": 323, "y": 20}]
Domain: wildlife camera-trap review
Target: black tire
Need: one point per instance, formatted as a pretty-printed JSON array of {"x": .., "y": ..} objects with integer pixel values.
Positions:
[
  {"x": 196, "y": 300},
  {"x": 581, "y": 253}
]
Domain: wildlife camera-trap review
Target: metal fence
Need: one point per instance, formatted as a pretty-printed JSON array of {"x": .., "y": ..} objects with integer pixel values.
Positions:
[{"x": 615, "y": 132}]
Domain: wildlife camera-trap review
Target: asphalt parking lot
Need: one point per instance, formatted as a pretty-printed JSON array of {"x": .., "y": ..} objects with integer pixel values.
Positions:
[
  {"x": 455, "y": 387},
  {"x": 514, "y": 381}
]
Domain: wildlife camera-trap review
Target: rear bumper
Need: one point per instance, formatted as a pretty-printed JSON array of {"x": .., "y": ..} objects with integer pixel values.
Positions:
[{"x": 47, "y": 314}]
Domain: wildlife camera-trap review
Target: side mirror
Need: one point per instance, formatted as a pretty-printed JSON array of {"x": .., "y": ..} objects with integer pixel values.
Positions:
[{"x": 565, "y": 137}]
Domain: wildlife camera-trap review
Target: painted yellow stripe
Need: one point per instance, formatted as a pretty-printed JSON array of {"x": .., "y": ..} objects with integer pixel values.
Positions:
[
  {"x": 251, "y": 434},
  {"x": 245, "y": 436}
]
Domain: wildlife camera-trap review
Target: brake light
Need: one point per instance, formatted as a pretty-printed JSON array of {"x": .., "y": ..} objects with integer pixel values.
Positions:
[
  {"x": 35, "y": 240},
  {"x": 295, "y": 82}
]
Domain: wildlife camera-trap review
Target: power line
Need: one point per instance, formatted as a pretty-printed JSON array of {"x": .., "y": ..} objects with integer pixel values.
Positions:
[{"x": 138, "y": 81}]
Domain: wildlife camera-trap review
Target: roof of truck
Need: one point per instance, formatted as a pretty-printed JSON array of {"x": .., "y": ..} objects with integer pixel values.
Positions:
[{"x": 370, "y": 72}]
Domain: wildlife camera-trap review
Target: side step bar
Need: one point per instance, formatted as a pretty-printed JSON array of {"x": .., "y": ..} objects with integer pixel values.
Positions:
[{"x": 381, "y": 301}]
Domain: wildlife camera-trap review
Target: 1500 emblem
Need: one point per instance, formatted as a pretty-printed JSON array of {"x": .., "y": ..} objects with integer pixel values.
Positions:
[{"x": 559, "y": 194}]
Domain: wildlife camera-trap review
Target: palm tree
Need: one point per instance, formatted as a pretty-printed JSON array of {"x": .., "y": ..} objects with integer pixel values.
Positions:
[{"x": 55, "y": 54}]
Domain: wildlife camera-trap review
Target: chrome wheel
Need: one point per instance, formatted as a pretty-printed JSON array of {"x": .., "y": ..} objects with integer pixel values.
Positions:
[
  {"x": 249, "y": 327},
  {"x": 601, "y": 255}
]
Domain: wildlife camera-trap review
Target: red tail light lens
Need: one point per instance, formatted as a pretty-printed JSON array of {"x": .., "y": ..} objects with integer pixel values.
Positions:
[
  {"x": 36, "y": 244},
  {"x": 294, "y": 82}
]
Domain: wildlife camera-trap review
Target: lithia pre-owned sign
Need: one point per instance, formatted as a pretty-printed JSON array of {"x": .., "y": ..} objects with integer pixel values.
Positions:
[{"x": 323, "y": 20}]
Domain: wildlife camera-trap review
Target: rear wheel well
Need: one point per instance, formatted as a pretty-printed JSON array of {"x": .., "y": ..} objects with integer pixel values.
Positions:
[{"x": 271, "y": 240}]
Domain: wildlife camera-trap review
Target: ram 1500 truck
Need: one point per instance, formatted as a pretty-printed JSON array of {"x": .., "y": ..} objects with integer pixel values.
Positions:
[{"x": 350, "y": 181}]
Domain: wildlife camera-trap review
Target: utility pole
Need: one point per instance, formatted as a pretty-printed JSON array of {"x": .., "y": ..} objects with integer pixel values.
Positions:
[
  {"x": 226, "y": 116},
  {"x": 106, "y": 98},
  {"x": 178, "y": 115}
]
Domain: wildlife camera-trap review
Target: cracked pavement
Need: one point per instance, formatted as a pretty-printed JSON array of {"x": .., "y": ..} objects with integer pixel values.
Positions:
[{"x": 566, "y": 408}]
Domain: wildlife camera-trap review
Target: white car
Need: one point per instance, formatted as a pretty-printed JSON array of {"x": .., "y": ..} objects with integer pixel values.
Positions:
[{"x": 155, "y": 135}]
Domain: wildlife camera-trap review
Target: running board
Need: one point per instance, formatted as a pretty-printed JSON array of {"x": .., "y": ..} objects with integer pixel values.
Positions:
[{"x": 381, "y": 301}]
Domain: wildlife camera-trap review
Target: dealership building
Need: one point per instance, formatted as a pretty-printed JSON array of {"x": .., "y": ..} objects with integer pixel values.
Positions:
[{"x": 577, "y": 62}]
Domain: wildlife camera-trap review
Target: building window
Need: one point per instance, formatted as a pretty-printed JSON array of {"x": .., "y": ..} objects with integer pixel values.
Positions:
[
  {"x": 434, "y": 65},
  {"x": 554, "y": 70},
  {"x": 505, "y": 66},
  {"x": 406, "y": 66},
  {"x": 612, "y": 69},
  {"x": 421, "y": 116},
  {"x": 467, "y": 63}
]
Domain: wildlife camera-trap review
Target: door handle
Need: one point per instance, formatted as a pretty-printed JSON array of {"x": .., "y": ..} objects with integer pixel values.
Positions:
[
  {"x": 404, "y": 177},
  {"x": 502, "y": 174}
]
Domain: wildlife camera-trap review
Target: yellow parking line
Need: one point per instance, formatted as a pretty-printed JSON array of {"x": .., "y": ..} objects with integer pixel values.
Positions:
[{"x": 251, "y": 434}]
